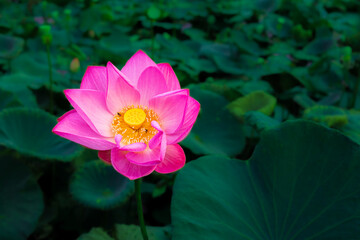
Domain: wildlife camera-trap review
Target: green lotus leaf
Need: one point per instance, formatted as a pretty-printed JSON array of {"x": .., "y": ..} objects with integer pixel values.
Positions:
[
  {"x": 215, "y": 131},
  {"x": 124, "y": 232},
  {"x": 28, "y": 131},
  {"x": 330, "y": 115},
  {"x": 302, "y": 182},
  {"x": 10, "y": 46},
  {"x": 95, "y": 234},
  {"x": 255, "y": 101},
  {"x": 98, "y": 185},
  {"x": 21, "y": 201},
  {"x": 260, "y": 121}
]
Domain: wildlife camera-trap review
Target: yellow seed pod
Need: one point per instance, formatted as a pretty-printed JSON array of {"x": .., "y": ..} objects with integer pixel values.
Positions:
[{"x": 135, "y": 117}]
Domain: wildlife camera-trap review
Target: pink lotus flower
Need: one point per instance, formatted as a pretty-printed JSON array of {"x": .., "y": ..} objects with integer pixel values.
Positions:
[{"x": 134, "y": 117}]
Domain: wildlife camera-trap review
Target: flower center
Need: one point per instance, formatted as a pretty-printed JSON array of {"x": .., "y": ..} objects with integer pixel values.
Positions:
[
  {"x": 135, "y": 117},
  {"x": 134, "y": 124}
]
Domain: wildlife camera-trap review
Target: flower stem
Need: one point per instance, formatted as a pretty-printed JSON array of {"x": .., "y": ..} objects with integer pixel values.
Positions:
[
  {"x": 50, "y": 78},
  {"x": 139, "y": 208}
]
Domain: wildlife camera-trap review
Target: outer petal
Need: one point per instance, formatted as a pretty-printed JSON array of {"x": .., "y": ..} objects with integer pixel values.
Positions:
[
  {"x": 148, "y": 157},
  {"x": 174, "y": 159},
  {"x": 65, "y": 114},
  {"x": 151, "y": 83},
  {"x": 171, "y": 109},
  {"x": 91, "y": 106},
  {"x": 126, "y": 168},
  {"x": 191, "y": 113},
  {"x": 172, "y": 81},
  {"x": 105, "y": 156},
  {"x": 119, "y": 92},
  {"x": 74, "y": 128},
  {"x": 136, "y": 65},
  {"x": 95, "y": 79}
]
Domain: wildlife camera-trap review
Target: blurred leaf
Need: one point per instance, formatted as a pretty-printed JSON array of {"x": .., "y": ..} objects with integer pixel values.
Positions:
[
  {"x": 255, "y": 101},
  {"x": 260, "y": 121},
  {"x": 132, "y": 232},
  {"x": 7, "y": 99},
  {"x": 114, "y": 47},
  {"x": 330, "y": 115},
  {"x": 95, "y": 234},
  {"x": 352, "y": 128},
  {"x": 21, "y": 200},
  {"x": 303, "y": 187},
  {"x": 33, "y": 71},
  {"x": 10, "y": 46},
  {"x": 158, "y": 191},
  {"x": 154, "y": 13},
  {"x": 28, "y": 131},
  {"x": 99, "y": 186},
  {"x": 257, "y": 85},
  {"x": 20, "y": 81},
  {"x": 304, "y": 100},
  {"x": 246, "y": 45},
  {"x": 216, "y": 131},
  {"x": 319, "y": 46}
]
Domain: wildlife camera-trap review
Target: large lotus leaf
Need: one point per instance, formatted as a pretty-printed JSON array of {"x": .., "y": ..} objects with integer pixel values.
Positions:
[
  {"x": 216, "y": 131},
  {"x": 98, "y": 185},
  {"x": 127, "y": 232},
  {"x": 255, "y": 101},
  {"x": 10, "y": 46},
  {"x": 330, "y": 115},
  {"x": 21, "y": 202},
  {"x": 95, "y": 234},
  {"x": 302, "y": 182},
  {"x": 29, "y": 132}
]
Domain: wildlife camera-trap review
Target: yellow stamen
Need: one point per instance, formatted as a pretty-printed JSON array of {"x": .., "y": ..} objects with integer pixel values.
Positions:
[
  {"x": 134, "y": 124},
  {"x": 135, "y": 117}
]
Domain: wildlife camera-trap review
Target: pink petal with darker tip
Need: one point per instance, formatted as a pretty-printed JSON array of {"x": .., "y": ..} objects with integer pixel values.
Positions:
[
  {"x": 74, "y": 128},
  {"x": 172, "y": 81},
  {"x": 171, "y": 109},
  {"x": 191, "y": 113},
  {"x": 136, "y": 65},
  {"x": 105, "y": 156},
  {"x": 91, "y": 106},
  {"x": 120, "y": 93},
  {"x": 173, "y": 161},
  {"x": 151, "y": 83},
  {"x": 126, "y": 168},
  {"x": 95, "y": 79}
]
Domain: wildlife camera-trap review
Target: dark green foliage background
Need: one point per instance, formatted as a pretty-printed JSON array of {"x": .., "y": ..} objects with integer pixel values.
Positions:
[{"x": 274, "y": 153}]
